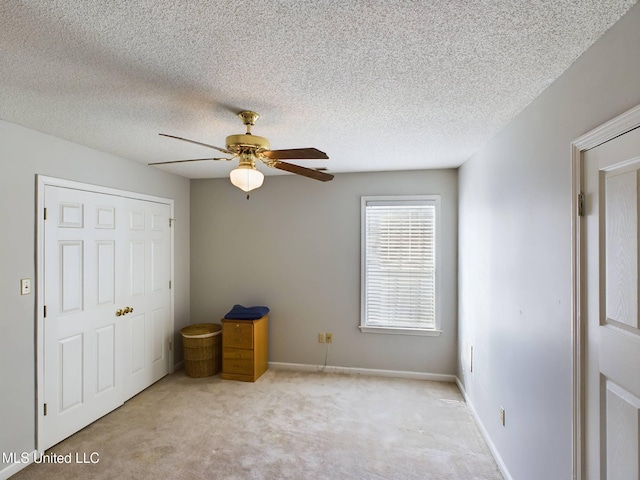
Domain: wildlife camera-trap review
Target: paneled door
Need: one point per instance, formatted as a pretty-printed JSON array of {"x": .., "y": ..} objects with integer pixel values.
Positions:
[
  {"x": 610, "y": 290},
  {"x": 107, "y": 321},
  {"x": 147, "y": 259}
]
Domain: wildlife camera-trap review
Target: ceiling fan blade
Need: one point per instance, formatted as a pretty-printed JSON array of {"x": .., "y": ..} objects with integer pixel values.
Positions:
[
  {"x": 189, "y": 160},
  {"x": 296, "y": 154},
  {"x": 304, "y": 171},
  {"x": 223, "y": 150}
]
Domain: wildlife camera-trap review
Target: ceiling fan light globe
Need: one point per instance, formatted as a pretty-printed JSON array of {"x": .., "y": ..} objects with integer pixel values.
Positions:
[{"x": 246, "y": 178}]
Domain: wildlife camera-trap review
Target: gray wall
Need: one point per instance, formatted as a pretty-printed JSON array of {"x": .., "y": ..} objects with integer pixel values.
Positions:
[
  {"x": 295, "y": 247},
  {"x": 23, "y": 154},
  {"x": 515, "y": 257}
]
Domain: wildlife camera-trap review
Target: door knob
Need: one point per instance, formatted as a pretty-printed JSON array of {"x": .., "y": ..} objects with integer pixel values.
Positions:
[
  {"x": 119, "y": 312},
  {"x": 127, "y": 310}
]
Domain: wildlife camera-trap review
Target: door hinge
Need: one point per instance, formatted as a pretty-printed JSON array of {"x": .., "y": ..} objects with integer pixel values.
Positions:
[
  {"x": 169, "y": 284},
  {"x": 45, "y": 213},
  {"x": 45, "y": 409},
  {"x": 581, "y": 205},
  {"x": 45, "y": 311},
  {"x": 170, "y": 346},
  {"x": 171, "y": 220}
]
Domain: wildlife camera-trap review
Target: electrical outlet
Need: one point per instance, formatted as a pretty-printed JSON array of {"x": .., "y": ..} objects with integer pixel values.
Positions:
[
  {"x": 321, "y": 338},
  {"x": 502, "y": 419},
  {"x": 25, "y": 286},
  {"x": 329, "y": 337}
]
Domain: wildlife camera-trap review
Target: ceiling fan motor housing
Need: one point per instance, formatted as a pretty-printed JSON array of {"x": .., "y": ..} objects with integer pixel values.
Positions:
[{"x": 237, "y": 143}]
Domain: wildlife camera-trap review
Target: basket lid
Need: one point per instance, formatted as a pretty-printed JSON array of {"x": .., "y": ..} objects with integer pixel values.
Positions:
[{"x": 201, "y": 330}]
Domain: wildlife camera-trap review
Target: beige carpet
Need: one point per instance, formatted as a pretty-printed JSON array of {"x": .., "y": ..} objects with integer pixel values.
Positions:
[{"x": 287, "y": 425}]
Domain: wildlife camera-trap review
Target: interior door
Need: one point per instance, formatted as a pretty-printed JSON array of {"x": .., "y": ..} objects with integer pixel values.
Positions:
[
  {"x": 147, "y": 258},
  {"x": 82, "y": 354},
  {"x": 610, "y": 290},
  {"x": 108, "y": 323}
]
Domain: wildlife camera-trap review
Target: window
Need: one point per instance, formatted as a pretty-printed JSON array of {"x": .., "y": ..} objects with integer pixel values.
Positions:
[{"x": 399, "y": 260}]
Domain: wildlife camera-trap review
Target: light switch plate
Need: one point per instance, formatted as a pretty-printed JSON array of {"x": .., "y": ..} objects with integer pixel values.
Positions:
[{"x": 25, "y": 286}]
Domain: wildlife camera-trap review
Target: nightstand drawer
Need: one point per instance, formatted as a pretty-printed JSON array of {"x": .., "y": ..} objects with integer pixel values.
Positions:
[
  {"x": 237, "y": 335},
  {"x": 237, "y": 360}
]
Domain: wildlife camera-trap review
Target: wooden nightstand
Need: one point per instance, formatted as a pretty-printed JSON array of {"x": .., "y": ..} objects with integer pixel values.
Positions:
[{"x": 245, "y": 349}]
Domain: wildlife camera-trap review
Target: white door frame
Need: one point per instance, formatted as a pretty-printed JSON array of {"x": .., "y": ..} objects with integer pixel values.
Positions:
[
  {"x": 605, "y": 132},
  {"x": 42, "y": 182}
]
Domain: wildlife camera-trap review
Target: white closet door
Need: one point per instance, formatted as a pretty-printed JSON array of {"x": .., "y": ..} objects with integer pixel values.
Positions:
[
  {"x": 82, "y": 353},
  {"x": 102, "y": 253},
  {"x": 147, "y": 258}
]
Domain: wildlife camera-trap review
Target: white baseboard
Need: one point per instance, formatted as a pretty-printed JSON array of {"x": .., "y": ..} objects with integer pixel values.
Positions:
[
  {"x": 178, "y": 366},
  {"x": 13, "y": 468},
  {"x": 485, "y": 434},
  {"x": 437, "y": 377}
]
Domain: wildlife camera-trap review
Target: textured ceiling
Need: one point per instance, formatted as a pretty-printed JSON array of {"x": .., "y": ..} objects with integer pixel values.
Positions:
[{"x": 377, "y": 84}]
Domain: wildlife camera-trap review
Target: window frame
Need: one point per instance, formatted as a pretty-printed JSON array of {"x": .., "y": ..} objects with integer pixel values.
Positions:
[{"x": 434, "y": 200}]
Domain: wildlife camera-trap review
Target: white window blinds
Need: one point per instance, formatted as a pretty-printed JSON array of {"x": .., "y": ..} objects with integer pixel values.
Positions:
[{"x": 399, "y": 264}]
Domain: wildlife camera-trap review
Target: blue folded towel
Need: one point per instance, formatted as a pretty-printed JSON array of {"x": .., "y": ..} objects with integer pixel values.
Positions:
[{"x": 238, "y": 312}]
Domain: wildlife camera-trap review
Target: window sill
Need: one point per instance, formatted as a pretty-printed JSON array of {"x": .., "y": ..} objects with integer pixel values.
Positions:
[{"x": 401, "y": 331}]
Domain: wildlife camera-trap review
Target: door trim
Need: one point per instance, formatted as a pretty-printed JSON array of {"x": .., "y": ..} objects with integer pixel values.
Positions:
[
  {"x": 605, "y": 132},
  {"x": 43, "y": 181}
]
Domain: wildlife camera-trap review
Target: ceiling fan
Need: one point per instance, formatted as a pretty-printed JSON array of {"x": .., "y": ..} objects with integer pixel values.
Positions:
[{"x": 248, "y": 148}]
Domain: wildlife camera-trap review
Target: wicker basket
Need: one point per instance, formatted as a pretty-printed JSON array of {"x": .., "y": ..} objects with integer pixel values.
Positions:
[{"x": 202, "y": 344}]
